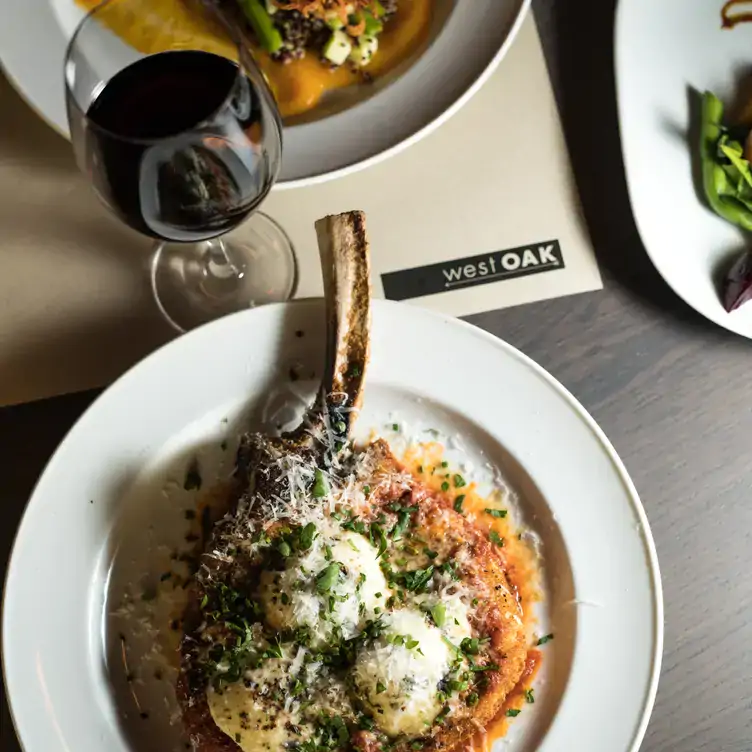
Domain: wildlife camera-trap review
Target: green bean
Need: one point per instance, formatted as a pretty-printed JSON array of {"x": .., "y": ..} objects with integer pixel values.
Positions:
[
  {"x": 268, "y": 34},
  {"x": 715, "y": 180}
]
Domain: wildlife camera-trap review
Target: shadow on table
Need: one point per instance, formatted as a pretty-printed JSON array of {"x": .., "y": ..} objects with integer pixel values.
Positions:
[{"x": 581, "y": 58}]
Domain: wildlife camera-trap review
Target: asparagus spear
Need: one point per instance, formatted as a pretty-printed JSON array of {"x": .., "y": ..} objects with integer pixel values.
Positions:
[{"x": 259, "y": 18}]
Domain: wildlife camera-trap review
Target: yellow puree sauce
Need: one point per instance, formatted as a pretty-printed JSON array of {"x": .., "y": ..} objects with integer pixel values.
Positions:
[
  {"x": 298, "y": 85},
  {"x": 425, "y": 462}
]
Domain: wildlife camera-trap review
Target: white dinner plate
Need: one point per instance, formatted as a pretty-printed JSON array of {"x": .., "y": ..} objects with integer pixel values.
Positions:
[
  {"x": 372, "y": 122},
  {"x": 111, "y": 501},
  {"x": 667, "y": 52}
]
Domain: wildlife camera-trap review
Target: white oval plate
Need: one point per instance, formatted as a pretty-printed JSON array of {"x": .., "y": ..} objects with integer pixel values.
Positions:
[
  {"x": 376, "y": 121},
  {"x": 110, "y": 504},
  {"x": 664, "y": 51}
]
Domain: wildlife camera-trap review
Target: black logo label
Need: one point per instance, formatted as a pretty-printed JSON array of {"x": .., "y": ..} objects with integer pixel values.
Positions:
[{"x": 476, "y": 270}]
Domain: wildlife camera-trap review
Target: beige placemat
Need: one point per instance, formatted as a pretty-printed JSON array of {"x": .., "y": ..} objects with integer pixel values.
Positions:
[
  {"x": 75, "y": 303},
  {"x": 483, "y": 213}
]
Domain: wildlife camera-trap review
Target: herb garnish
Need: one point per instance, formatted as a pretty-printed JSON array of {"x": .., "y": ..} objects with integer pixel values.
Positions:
[
  {"x": 458, "y": 503},
  {"x": 545, "y": 639},
  {"x": 438, "y": 614},
  {"x": 320, "y": 485},
  {"x": 378, "y": 539},
  {"x": 529, "y": 696},
  {"x": 494, "y": 537},
  {"x": 499, "y": 514},
  {"x": 327, "y": 577},
  {"x": 413, "y": 580},
  {"x": 513, "y": 712}
]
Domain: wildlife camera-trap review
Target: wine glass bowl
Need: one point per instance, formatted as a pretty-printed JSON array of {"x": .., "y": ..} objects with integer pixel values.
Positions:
[{"x": 181, "y": 139}]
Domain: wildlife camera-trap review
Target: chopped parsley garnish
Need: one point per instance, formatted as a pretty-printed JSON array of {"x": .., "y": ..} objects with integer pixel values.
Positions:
[
  {"x": 328, "y": 555},
  {"x": 430, "y": 554},
  {"x": 327, "y": 577},
  {"x": 354, "y": 524},
  {"x": 366, "y": 490},
  {"x": 415, "y": 580},
  {"x": 470, "y": 645},
  {"x": 274, "y": 650},
  {"x": 450, "y": 568},
  {"x": 365, "y": 723},
  {"x": 378, "y": 539},
  {"x": 459, "y": 481},
  {"x": 494, "y": 537},
  {"x": 441, "y": 717},
  {"x": 488, "y": 667},
  {"x": 529, "y": 696},
  {"x": 285, "y": 598},
  {"x": 380, "y": 688},
  {"x": 513, "y": 712},
  {"x": 438, "y": 614},
  {"x": 403, "y": 519},
  {"x": 472, "y": 699},
  {"x": 458, "y": 502},
  {"x": 445, "y": 464},
  {"x": 320, "y": 486},
  {"x": 545, "y": 639},
  {"x": 395, "y": 426},
  {"x": 498, "y": 513},
  {"x": 445, "y": 486}
]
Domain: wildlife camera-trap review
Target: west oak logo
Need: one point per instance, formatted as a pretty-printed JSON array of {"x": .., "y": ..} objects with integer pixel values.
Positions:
[{"x": 477, "y": 270}]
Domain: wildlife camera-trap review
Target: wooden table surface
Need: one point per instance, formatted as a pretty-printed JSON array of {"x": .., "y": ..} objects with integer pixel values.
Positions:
[{"x": 666, "y": 386}]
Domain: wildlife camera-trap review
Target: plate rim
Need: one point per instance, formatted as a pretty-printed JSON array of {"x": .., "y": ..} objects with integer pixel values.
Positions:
[
  {"x": 646, "y": 536},
  {"x": 522, "y": 13}
]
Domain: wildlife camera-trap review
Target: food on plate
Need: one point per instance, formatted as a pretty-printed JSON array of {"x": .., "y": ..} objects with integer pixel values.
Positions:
[
  {"x": 726, "y": 152},
  {"x": 342, "y": 602},
  {"x": 726, "y": 159},
  {"x": 338, "y": 32},
  {"x": 306, "y": 48}
]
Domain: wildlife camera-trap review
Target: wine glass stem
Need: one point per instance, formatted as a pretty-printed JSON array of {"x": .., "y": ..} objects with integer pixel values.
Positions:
[
  {"x": 217, "y": 262},
  {"x": 221, "y": 273}
]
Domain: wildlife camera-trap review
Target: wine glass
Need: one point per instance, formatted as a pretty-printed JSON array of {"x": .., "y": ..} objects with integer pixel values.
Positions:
[{"x": 175, "y": 126}]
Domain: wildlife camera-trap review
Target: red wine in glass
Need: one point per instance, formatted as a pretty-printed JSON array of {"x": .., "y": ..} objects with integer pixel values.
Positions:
[
  {"x": 171, "y": 152},
  {"x": 182, "y": 144}
]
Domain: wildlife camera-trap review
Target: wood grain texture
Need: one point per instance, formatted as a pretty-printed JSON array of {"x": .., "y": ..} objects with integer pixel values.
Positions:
[{"x": 668, "y": 388}]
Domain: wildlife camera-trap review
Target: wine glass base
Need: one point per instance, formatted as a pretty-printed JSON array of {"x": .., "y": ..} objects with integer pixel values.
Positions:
[{"x": 195, "y": 283}]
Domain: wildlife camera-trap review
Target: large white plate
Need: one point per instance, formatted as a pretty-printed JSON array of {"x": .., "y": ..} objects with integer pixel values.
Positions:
[
  {"x": 666, "y": 52},
  {"x": 106, "y": 501},
  {"x": 465, "y": 47}
]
